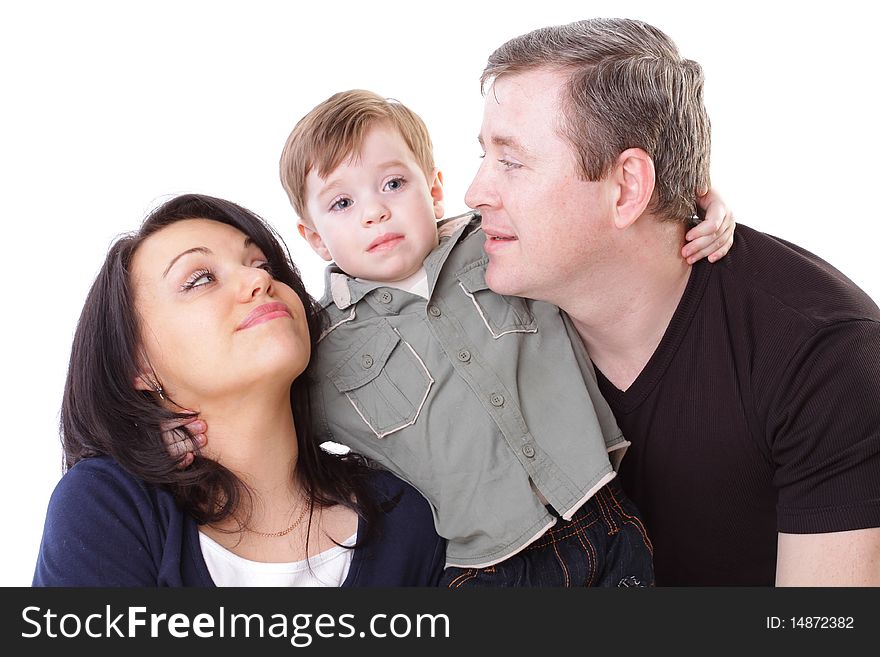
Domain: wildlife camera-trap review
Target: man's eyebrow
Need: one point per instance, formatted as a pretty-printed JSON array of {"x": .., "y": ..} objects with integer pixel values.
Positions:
[
  {"x": 501, "y": 140},
  {"x": 196, "y": 249},
  {"x": 510, "y": 142}
]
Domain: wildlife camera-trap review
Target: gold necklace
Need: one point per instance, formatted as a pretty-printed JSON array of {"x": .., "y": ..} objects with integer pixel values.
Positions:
[{"x": 283, "y": 532}]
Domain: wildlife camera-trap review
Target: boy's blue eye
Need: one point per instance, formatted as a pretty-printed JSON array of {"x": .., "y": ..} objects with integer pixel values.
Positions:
[
  {"x": 341, "y": 204},
  {"x": 394, "y": 184}
]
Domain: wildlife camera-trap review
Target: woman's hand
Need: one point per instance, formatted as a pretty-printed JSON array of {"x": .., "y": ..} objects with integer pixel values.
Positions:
[
  {"x": 181, "y": 446},
  {"x": 713, "y": 236}
]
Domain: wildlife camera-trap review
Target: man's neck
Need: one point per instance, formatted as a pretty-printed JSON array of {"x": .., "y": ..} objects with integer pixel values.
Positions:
[{"x": 622, "y": 318}]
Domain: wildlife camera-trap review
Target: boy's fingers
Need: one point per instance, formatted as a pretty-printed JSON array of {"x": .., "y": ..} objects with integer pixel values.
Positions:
[{"x": 714, "y": 249}]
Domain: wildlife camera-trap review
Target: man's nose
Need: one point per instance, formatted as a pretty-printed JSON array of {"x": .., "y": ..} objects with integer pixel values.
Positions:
[{"x": 480, "y": 192}]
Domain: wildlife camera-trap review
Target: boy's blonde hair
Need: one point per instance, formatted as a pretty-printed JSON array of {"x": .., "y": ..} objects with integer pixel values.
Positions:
[{"x": 336, "y": 129}]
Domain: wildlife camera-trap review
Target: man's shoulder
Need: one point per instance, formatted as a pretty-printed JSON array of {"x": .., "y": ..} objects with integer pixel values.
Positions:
[{"x": 793, "y": 280}]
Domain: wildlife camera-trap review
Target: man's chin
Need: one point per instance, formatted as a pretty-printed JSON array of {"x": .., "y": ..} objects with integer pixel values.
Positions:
[{"x": 500, "y": 281}]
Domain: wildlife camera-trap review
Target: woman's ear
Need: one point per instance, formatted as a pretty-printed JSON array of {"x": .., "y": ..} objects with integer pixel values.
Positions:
[
  {"x": 437, "y": 194},
  {"x": 141, "y": 383},
  {"x": 311, "y": 236}
]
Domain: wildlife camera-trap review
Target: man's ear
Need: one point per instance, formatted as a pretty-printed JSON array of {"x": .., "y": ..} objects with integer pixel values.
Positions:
[
  {"x": 437, "y": 194},
  {"x": 311, "y": 236},
  {"x": 634, "y": 181}
]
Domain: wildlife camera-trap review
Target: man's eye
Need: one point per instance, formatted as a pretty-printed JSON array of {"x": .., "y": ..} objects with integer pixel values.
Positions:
[
  {"x": 341, "y": 204},
  {"x": 507, "y": 164}
]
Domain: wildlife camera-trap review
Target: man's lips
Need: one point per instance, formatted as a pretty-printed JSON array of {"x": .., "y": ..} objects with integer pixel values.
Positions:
[
  {"x": 385, "y": 241},
  {"x": 494, "y": 234},
  {"x": 264, "y": 313}
]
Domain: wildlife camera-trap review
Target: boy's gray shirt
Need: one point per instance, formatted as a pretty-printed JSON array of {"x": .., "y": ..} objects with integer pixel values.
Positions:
[{"x": 467, "y": 396}]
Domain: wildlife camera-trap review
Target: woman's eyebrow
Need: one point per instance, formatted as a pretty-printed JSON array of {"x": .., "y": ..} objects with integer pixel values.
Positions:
[{"x": 196, "y": 249}]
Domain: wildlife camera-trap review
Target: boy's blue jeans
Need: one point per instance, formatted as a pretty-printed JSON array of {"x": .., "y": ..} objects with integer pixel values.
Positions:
[{"x": 604, "y": 544}]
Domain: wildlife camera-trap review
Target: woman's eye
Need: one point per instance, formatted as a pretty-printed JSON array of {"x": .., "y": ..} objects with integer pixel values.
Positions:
[
  {"x": 198, "y": 279},
  {"x": 341, "y": 204},
  {"x": 394, "y": 184},
  {"x": 266, "y": 266},
  {"x": 507, "y": 164}
]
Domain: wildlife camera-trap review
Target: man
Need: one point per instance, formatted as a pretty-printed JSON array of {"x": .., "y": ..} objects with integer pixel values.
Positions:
[{"x": 748, "y": 388}]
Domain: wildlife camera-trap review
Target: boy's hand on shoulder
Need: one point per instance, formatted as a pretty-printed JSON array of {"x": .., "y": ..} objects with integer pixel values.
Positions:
[{"x": 713, "y": 236}]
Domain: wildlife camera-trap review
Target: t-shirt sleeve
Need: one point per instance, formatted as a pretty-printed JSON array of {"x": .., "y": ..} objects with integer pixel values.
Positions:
[
  {"x": 94, "y": 534},
  {"x": 824, "y": 432}
]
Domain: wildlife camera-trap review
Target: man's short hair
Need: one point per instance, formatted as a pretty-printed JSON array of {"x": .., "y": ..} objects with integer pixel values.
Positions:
[
  {"x": 335, "y": 130},
  {"x": 628, "y": 88}
]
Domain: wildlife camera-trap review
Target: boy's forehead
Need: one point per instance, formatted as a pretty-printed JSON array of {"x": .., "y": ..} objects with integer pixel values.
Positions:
[{"x": 381, "y": 146}]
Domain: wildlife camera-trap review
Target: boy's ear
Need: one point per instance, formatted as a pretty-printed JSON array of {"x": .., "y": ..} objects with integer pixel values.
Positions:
[
  {"x": 437, "y": 194},
  {"x": 634, "y": 180},
  {"x": 311, "y": 236}
]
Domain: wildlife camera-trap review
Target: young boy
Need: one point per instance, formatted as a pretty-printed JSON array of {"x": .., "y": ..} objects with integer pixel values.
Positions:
[{"x": 487, "y": 404}]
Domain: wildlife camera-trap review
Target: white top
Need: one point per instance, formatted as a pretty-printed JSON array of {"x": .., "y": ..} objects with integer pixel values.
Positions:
[
  {"x": 329, "y": 568},
  {"x": 415, "y": 284}
]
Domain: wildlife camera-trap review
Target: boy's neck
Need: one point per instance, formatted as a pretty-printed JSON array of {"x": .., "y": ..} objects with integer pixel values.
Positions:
[{"x": 416, "y": 283}]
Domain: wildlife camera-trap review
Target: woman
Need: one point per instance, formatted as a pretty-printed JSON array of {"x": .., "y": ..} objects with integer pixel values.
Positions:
[{"x": 202, "y": 312}]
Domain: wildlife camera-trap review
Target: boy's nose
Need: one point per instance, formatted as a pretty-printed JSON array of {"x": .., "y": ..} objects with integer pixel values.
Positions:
[{"x": 376, "y": 215}]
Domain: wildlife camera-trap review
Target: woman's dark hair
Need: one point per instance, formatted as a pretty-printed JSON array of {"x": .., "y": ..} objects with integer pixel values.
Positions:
[{"x": 104, "y": 414}]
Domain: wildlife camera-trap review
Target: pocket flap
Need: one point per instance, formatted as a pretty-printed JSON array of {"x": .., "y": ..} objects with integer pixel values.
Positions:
[
  {"x": 474, "y": 279},
  {"x": 365, "y": 361}
]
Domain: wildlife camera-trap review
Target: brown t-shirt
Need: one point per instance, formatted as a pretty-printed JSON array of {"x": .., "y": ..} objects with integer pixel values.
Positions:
[{"x": 758, "y": 413}]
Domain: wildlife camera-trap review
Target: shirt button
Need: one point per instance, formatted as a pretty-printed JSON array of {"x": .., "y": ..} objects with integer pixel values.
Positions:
[
  {"x": 528, "y": 450},
  {"x": 496, "y": 399},
  {"x": 434, "y": 311},
  {"x": 464, "y": 355},
  {"x": 385, "y": 296},
  {"x": 367, "y": 361}
]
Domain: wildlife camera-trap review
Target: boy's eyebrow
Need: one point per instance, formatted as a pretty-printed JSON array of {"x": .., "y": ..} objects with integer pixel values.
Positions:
[{"x": 332, "y": 183}]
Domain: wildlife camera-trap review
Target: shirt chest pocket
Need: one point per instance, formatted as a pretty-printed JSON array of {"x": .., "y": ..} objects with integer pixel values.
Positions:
[
  {"x": 384, "y": 379},
  {"x": 498, "y": 313}
]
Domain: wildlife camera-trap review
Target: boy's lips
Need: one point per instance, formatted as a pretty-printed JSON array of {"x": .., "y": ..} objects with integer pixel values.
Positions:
[
  {"x": 385, "y": 241},
  {"x": 264, "y": 313}
]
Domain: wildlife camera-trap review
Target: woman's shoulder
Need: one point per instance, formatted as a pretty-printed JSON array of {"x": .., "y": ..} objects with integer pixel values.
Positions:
[
  {"x": 94, "y": 474},
  {"x": 394, "y": 495},
  {"x": 405, "y": 550},
  {"x": 105, "y": 527},
  {"x": 98, "y": 487},
  {"x": 405, "y": 513}
]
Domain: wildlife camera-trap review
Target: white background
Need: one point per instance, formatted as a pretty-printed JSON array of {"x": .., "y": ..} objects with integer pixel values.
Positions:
[{"x": 108, "y": 108}]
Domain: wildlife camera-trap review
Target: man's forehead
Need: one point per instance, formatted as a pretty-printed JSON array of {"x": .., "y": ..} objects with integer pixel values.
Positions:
[{"x": 544, "y": 83}]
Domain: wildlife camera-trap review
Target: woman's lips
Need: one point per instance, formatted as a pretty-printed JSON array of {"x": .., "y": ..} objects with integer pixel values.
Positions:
[
  {"x": 385, "y": 242},
  {"x": 264, "y": 313}
]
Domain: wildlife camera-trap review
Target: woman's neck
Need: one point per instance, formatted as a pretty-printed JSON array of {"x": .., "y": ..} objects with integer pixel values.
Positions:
[{"x": 255, "y": 437}]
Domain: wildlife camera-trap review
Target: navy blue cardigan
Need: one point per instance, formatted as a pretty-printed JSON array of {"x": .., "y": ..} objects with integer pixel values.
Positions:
[{"x": 107, "y": 528}]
